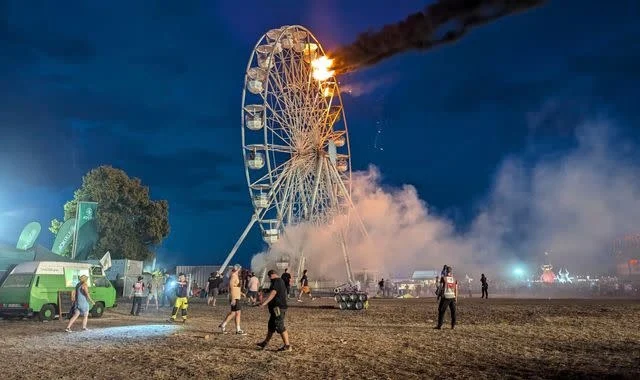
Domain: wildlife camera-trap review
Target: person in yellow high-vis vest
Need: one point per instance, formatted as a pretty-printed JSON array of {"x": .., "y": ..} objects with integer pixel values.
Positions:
[{"x": 182, "y": 299}]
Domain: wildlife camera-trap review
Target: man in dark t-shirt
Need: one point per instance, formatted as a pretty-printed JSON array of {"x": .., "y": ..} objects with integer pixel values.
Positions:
[
  {"x": 213, "y": 288},
  {"x": 277, "y": 304},
  {"x": 304, "y": 286},
  {"x": 286, "y": 277}
]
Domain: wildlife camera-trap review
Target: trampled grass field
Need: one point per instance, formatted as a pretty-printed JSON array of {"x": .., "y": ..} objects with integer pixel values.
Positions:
[{"x": 393, "y": 339}]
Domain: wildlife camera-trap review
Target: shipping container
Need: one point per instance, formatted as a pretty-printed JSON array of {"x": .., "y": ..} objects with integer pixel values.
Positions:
[
  {"x": 121, "y": 268},
  {"x": 199, "y": 274}
]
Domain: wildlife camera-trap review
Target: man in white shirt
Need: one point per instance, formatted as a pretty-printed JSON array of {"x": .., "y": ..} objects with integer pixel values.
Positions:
[{"x": 252, "y": 293}]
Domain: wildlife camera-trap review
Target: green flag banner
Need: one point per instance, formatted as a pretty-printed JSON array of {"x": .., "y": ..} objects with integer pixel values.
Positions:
[
  {"x": 86, "y": 213},
  {"x": 64, "y": 236},
  {"x": 28, "y": 236},
  {"x": 86, "y": 231},
  {"x": 86, "y": 240}
]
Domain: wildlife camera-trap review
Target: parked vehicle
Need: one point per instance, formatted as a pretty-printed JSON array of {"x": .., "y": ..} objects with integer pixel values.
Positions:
[{"x": 32, "y": 288}]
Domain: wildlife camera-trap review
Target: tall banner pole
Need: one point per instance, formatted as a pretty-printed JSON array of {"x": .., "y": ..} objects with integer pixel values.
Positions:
[{"x": 75, "y": 233}]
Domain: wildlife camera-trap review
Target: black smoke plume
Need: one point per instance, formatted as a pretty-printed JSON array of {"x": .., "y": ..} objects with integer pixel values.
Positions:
[{"x": 423, "y": 30}]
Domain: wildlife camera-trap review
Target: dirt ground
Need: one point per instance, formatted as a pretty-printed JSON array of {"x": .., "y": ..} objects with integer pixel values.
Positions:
[{"x": 393, "y": 339}]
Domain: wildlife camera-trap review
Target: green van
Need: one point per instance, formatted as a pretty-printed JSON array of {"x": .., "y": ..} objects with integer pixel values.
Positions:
[{"x": 31, "y": 288}]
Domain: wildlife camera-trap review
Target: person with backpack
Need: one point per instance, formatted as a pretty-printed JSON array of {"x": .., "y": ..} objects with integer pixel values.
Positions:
[
  {"x": 138, "y": 296},
  {"x": 448, "y": 298},
  {"x": 439, "y": 283}
]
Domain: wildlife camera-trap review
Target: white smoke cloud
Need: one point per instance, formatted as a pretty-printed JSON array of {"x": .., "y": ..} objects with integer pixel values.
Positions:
[{"x": 571, "y": 205}]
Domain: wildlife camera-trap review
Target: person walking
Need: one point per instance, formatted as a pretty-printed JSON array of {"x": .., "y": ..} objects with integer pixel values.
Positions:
[
  {"x": 286, "y": 277},
  {"x": 167, "y": 291},
  {"x": 252, "y": 288},
  {"x": 448, "y": 299},
  {"x": 485, "y": 286},
  {"x": 182, "y": 299},
  {"x": 138, "y": 296},
  {"x": 381, "y": 287},
  {"x": 304, "y": 286},
  {"x": 213, "y": 288},
  {"x": 235, "y": 294},
  {"x": 152, "y": 288},
  {"x": 277, "y": 305},
  {"x": 82, "y": 301}
]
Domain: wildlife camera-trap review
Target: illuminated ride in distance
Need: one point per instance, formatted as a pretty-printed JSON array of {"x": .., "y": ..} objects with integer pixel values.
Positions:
[
  {"x": 295, "y": 141},
  {"x": 548, "y": 277},
  {"x": 564, "y": 277}
]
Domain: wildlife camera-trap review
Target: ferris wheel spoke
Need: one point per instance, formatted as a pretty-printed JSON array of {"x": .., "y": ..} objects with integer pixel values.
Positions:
[
  {"x": 274, "y": 114},
  {"x": 317, "y": 180},
  {"x": 284, "y": 96},
  {"x": 285, "y": 139},
  {"x": 286, "y": 200},
  {"x": 302, "y": 186},
  {"x": 278, "y": 170},
  {"x": 329, "y": 183}
]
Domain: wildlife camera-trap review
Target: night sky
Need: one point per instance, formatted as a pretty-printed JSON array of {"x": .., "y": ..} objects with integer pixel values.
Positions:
[{"x": 155, "y": 90}]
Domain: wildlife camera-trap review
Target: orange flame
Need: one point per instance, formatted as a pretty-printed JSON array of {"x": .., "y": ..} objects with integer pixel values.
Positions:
[{"x": 321, "y": 68}]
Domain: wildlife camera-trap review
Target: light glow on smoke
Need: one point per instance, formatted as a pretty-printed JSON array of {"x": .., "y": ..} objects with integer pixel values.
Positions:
[{"x": 575, "y": 204}]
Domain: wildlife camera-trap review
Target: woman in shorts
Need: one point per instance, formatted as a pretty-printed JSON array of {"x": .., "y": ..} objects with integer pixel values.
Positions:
[{"x": 82, "y": 303}]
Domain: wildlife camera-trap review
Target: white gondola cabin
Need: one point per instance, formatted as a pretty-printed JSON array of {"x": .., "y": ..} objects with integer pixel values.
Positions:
[
  {"x": 260, "y": 200},
  {"x": 342, "y": 166},
  {"x": 255, "y": 160},
  {"x": 253, "y": 116}
]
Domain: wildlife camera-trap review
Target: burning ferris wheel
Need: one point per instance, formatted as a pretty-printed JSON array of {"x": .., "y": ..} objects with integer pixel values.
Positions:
[{"x": 295, "y": 141}]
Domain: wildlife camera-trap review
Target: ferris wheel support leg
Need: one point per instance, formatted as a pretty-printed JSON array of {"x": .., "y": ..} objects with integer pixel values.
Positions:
[
  {"x": 253, "y": 220},
  {"x": 263, "y": 277},
  {"x": 345, "y": 254},
  {"x": 363, "y": 229},
  {"x": 300, "y": 266},
  {"x": 317, "y": 184}
]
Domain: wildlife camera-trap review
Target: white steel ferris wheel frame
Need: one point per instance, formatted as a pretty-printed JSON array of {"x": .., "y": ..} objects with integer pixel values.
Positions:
[{"x": 304, "y": 144}]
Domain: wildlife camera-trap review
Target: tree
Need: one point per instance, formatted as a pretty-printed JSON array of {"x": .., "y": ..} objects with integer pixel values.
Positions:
[{"x": 129, "y": 222}]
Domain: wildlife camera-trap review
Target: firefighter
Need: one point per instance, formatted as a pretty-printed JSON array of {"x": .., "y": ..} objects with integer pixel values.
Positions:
[
  {"x": 182, "y": 298},
  {"x": 449, "y": 295}
]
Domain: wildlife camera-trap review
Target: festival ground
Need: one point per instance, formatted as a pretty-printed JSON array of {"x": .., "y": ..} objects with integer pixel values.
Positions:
[{"x": 394, "y": 339}]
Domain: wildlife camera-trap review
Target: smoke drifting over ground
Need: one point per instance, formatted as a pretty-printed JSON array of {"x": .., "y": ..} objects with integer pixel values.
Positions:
[
  {"x": 440, "y": 23},
  {"x": 572, "y": 206}
]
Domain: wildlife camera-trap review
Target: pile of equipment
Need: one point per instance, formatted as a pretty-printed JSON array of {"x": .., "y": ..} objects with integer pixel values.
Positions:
[{"x": 350, "y": 297}]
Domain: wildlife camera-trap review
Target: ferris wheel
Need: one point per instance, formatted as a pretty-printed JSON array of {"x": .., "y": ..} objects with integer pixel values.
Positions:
[{"x": 295, "y": 141}]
